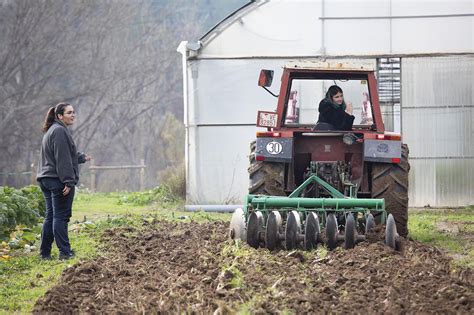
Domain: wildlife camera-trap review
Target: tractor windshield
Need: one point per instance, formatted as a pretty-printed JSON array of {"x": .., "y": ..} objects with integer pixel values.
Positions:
[{"x": 305, "y": 94}]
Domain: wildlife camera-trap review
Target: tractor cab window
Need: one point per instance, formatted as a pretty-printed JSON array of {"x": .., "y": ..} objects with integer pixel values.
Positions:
[{"x": 305, "y": 94}]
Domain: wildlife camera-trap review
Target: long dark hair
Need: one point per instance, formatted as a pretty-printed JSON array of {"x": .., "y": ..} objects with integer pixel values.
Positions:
[
  {"x": 333, "y": 90},
  {"x": 52, "y": 114}
]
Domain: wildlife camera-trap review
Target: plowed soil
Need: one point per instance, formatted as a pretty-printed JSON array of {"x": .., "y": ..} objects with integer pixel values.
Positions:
[{"x": 193, "y": 268}]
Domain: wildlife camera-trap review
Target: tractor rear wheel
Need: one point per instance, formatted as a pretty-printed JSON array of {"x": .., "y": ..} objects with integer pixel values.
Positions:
[
  {"x": 266, "y": 178},
  {"x": 390, "y": 181}
]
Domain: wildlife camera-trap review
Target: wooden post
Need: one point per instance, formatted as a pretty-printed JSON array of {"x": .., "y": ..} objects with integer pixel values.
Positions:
[
  {"x": 92, "y": 170},
  {"x": 33, "y": 174},
  {"x": 142, "y": 175}
]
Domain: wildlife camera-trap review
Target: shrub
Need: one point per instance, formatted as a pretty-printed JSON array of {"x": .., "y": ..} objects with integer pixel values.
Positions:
[{"x": 174, "y": 178}]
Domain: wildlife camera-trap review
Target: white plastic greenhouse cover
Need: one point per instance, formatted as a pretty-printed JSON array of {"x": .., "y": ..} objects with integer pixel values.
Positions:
[
  {"x": 438, "y": 117},
  {"x": 221, "y": 96},
  {"x": 343, "y": 27}
]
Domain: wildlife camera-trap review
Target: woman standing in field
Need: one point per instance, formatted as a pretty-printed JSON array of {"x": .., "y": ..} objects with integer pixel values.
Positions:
[{"x": 58, "y": 173}]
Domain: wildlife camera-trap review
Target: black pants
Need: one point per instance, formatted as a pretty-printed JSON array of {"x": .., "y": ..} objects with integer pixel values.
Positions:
[{"x": 58, "y": 213}]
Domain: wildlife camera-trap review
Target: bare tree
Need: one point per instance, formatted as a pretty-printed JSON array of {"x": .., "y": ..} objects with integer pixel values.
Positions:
[{"x": 114, "y": 60}]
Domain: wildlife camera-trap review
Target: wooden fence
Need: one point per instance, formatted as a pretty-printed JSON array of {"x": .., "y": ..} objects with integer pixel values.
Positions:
[
  {"x": 20, "y": 179},
  {"x": 95, "y": 168}
]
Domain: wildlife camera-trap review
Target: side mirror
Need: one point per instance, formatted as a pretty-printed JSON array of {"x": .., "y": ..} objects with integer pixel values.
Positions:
[{"x": 266, "y": 77}]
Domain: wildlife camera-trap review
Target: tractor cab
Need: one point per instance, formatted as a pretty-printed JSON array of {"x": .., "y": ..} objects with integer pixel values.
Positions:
[{"x": 303, "y": 86}]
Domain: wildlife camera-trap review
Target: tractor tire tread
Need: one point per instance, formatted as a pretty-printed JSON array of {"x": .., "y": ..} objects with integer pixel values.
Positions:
[
  {"x": 265, "y": 178},
  {"x": 390, "y": 181}
]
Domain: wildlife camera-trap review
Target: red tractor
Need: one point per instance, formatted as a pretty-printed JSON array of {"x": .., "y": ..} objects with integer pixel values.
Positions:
[{"x": 328, "y": 178}]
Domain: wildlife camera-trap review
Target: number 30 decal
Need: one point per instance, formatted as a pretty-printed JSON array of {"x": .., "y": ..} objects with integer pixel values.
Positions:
[{"x": 274, "y": 147}]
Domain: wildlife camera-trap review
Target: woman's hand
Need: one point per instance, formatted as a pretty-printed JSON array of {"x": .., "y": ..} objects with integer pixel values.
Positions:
[
  {"x": 88, "y": 157},
  {"x": 66, "y": 190},
  {"x": 349, "y": 108}
]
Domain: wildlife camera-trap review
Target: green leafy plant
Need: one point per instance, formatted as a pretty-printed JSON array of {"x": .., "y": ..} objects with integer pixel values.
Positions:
[
  {"x": 35, "y": 196},
  {"x": 19, "y": 207}
]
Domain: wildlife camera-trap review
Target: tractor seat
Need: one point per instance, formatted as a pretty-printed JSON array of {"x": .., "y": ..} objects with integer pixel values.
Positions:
[{"x": 323, "y": 126}]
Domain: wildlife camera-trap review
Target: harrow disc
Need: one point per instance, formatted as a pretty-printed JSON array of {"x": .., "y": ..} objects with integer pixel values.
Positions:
[
  {"x": 293, "y": 230},
  {"x": 237, "y": 225},
  {"x": 391, "y": 234},
  {"x": 254, "y": 227},
  {"x": 349, "y": 232},
  {"x": 312, "y": 231},
  {"x": 369, "y": 223},
  {"x": 331, "y": 231},
  {"x": 273, "y": 232}
]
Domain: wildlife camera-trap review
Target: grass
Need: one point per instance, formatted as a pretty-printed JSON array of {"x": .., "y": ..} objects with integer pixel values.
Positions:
[
  {"x": 26, "y": 277},
  {"x": 95, "y": 206},
  {"x": 99, "y": 206},
  {"x": 451, "y": 230}
]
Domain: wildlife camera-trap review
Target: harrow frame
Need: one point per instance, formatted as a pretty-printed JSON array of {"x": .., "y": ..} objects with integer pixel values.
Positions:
[{"x": 262, "y": 217}]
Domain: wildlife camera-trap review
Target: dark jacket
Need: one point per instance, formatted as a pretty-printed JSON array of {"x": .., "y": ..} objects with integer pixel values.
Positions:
[
  {"x": 334, "y": 115},
  {"x": 59, "y": 157}
]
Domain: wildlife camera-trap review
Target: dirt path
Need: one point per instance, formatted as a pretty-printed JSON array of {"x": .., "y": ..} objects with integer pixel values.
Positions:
[{"x": 177, "y": 267}]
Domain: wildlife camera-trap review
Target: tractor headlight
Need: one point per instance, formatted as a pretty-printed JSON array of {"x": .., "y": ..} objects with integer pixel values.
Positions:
[{"x": 349, "y": 138}]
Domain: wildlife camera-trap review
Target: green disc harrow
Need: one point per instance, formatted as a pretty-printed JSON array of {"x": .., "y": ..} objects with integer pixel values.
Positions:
[{"x": 294, "y": 222}]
